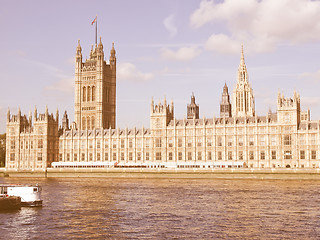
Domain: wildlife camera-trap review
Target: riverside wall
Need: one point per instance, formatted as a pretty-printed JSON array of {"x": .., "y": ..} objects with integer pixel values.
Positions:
[{"x": 168, "y": 173}]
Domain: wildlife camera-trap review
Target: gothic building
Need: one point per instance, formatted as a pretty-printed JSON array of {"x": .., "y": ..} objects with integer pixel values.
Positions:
[
  {"x": 95, "y": 89},
  {"x": 287, "y": 138}
]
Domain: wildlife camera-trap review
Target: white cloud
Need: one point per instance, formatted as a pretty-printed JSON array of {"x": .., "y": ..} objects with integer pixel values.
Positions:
[
  {"x": 313, "y": 76},
  {"x": 168, "y": 23},
  {"x": 263, "y": 24},
  {"x": 182, "y": 54},
  {"x": 222, "y": 43},
  {"x": 128, "y": 71},
  {"x": 65, "y": 85}
]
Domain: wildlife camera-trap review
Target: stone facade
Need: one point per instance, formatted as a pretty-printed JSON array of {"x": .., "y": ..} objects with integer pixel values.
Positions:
[{"x": 286, "y": 138}]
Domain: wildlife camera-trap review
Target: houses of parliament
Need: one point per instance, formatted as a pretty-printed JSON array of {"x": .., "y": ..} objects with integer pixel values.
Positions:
[{"x": 238, "y": 138}]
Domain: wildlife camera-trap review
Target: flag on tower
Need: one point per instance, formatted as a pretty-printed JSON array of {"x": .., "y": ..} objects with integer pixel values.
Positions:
[{"x": 94, "y": 21}]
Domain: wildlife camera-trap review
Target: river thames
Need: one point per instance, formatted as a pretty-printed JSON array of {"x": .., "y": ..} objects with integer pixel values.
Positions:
[{"x": 104, "y": 208}]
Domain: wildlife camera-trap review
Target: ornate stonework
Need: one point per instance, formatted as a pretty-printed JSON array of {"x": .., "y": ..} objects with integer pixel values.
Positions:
[{"x": 286, "y": 138}]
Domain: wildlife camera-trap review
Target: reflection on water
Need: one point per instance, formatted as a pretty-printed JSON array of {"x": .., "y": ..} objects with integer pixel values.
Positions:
[{"x": 168, "y": 208}]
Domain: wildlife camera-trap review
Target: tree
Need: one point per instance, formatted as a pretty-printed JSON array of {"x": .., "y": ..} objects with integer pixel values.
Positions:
[{"x": 2, "y": 150}]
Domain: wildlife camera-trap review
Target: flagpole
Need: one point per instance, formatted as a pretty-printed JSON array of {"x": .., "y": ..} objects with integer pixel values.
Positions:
[{"x": 96, "y": 27}]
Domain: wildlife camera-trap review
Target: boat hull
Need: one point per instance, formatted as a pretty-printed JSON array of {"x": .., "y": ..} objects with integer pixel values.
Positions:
[
  {"x": 37, "y": 203},
  {"x": 10, "y": 203}
]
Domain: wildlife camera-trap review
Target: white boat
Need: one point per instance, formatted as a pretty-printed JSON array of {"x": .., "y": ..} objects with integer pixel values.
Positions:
[{"x": 30, "y": 194}]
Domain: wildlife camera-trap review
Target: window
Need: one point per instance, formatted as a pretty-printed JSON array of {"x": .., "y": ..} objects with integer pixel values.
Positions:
[
  {"x": 219, "y": 141},
  {"x": 274, "y": 154},
  {"x": 106, "y": 156},
  {"x": 209, "y": 142},
  {"x": 230, "y": 141},
  {"x": 90, "y": 157},
  {"x": 313, "y": 139},
  {"x": 158, "y": 156},
  {"x": 170, "y": 142},
  {"x": 75, "y": 144},
  {"x": 114, "y": 156},
  {"x": 39, "y": 156},
  {"x": 189, "y": 142},
  {"x": 122, "y": 143},
  {"x": 84, "y": 94},
  {"x": 179, "y": 142},
  {"x": 147, "y": 156},
  {"x": 199, "y": 142},
  {"x": 84, "y": 123},
  {"x": 229, "y": 155},
  {"x": 251, "y": 141},
  {"x": 240, "y": 141},
  {"x": 189, "y": 155},
  {"x": 12, "y": 156},
  {"x": 139, "y": 156},
  {"x": 106, "y": 144},
  {"x": 75, "y": 157},
  {"x": 21, "y": 145},
  {"x": 199, "y": 156},
  {"x": 209, "y": 155},
  {"x": 302, "y": 154},
  {"x": 130, "y": 156},
  {"x": 83, "y": 157},
  {"x": 12, "y": 145},
  {"x": 262, "y": 155},
  {"x": 262, "y": 141},
  {"x": 98, "y": 144},
  {"x": 251, "y": 155},
  {"x": 158, "y": 142},
  {"x": 93, "y": 93},
  {"x": 98, "y": 157},
  {"x": 240, "y": 155},
  {"x": 273, "y": 141},
  {"x": 219, "y": 155},
  {"x": 287, "y": 140},
  {"x": 122, "y": 156},
  {"x": 90, "y": 143},
  {"x": 287, "y": 155},
  {"x": 40, "y": 143},
  {"x": 180, "y": 155},
  {"x": 60, "y": 157},
  {"x": 114, "y": 143},
  {"x": 313, "y": 154},
  {"x": 89, "y": 94},
  {"x": 170, "y": 156}
]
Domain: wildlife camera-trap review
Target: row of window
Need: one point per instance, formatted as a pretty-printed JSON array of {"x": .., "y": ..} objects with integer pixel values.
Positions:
[
  {"x": 190, "y": 156},
  {"x": 88, "y": 93},
  {"x": 287, "y": 141}
]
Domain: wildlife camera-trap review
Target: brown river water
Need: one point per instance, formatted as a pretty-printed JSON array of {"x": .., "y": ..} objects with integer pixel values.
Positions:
[{"x": 104, "y": 208}]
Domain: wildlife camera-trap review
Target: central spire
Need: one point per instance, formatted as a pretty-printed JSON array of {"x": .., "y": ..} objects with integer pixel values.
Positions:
[{"x": 242, "y": 57}]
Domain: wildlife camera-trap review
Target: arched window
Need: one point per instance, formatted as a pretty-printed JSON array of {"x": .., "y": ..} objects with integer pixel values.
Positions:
[
  {"x": 88, "y": 123},
  {"x": 93, "y": 93},
  {"x": 92, "y": 123},
  {"x": 89, "y": 94},
  {"x": 84, "y": 94},
  {"x": 83, "y": 123}
]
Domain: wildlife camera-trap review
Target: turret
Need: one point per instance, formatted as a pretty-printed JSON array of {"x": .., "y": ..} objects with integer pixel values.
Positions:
[
  {"x": 225, "y": 106},
  {"x": 8, "y": 115},
  {"x": 161, "y": 114},
  {"x": 193, "y": 109},
  {"x": 113, "y": 56}
]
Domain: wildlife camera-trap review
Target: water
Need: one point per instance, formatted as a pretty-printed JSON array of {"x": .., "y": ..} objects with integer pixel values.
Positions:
[{"x": 101, "y": 208}]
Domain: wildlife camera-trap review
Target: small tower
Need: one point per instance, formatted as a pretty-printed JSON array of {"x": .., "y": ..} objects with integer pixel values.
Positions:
[
  {"x": 161, "y": 114},
  {"x": 288, "y": 109},
  {"x": 65, "y": 121},
  {"x": 243, "y": 99},
  {"x": 193, "y": 109},
  {"x": 225, "y": 105}
]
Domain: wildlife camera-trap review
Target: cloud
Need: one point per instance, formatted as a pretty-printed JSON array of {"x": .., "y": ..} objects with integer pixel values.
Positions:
[
  {"x": 65, "y": 85},
  {"x": 128, "y": 71},
  {"x": 262, "y": 24},
  {"x": 182, "y": 54},
  {"x": 313, "y": 76},
  {"x": 222, "y": 43},
  {"x": 168, "y": 23}
]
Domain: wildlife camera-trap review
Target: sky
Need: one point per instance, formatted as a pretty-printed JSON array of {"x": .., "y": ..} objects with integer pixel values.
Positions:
[{"x": 165, "y": 49}]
